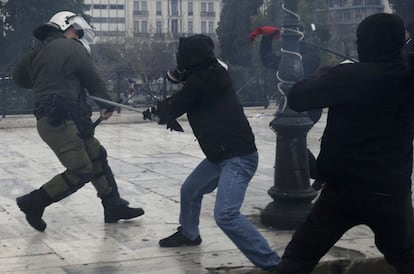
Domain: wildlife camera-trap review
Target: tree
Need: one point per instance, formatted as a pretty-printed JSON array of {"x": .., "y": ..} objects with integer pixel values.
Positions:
[
  {"x": 21, "y": 17},
  {"x": 404, "y": 8},
  {"x": 138, "y": 62},
  {"x": 234, "y": 28}
]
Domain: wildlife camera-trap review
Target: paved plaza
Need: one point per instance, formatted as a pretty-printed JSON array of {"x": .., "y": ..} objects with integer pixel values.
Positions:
[{"x": 149, "y": 163}]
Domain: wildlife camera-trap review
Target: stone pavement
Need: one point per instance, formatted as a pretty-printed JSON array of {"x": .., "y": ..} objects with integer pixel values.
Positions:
[{"x": 149, "y": 163}]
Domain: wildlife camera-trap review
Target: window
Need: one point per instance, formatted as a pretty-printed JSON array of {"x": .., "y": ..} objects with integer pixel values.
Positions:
[
  {"x": 210, "y": 27},
  {"x": 136, "y": 26},
  {"x": 190, "y": 27},
  {"x": 190, "y": 8},
  {"x": 100, "y": 7},
  {"x": 357, "y": 2},
  {"x": 114, "y": 20},
  {"x": 203, "y": 6},
  {"x": 203, "y": 27},
  {"x": 174, "y": 7},
  {"x": 116, "y": 7},
  {"x": 158, "y": 27},
  {"x": 174, "y": 26},
  {"x": 140, "y": 10},
  {"x": 144, "y": 5},
  {"x": 210, "y": 6},
  {"x": 158, "y": 8},
  {"x": 359, "y": 14},
  {"x": 144, "y": 28}
]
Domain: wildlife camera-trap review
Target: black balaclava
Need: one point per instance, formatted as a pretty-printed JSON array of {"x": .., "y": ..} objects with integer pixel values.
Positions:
[
  {"x": 380, "y": 38},
  {"x": 195, "y": 51}
]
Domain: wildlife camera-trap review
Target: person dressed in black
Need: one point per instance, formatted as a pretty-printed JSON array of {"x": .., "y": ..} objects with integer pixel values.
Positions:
[
  {"x": 223, "y": 132},
  {"x": 366, "y": 155}
]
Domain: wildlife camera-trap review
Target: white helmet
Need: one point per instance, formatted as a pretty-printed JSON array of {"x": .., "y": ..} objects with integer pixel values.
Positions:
[
  {"x": 66, "y": 19},
  {"x": 61, "y": 19}
]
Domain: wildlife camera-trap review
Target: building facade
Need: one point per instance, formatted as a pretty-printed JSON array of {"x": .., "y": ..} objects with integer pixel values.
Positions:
[
  {"x": 343, "y": 19},
  {"x": 117, "y": 20}
]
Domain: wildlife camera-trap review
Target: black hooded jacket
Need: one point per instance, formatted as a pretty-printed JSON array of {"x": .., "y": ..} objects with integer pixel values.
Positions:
[
  {"x": 211, "y": 104},
  {"x": 367, "y": 142}
]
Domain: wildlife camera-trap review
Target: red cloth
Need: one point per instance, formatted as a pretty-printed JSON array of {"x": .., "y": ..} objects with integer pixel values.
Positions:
[{"x": 265, "y": 30}]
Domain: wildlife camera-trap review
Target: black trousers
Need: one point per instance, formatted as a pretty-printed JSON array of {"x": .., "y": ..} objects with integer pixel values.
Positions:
[{"x": 336, "y": 211}]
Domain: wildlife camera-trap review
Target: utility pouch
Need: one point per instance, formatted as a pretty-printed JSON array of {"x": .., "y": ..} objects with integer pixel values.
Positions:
[
  {"x": 56, "y": 112},
  {"x": 82, "y": 122},
  {"x": 64, "y": 108}
]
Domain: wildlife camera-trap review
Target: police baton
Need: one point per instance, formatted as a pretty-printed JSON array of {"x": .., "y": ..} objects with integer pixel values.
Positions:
[
  {"x": 172, "y": 125},
  {"x": 111, "y": 103}
]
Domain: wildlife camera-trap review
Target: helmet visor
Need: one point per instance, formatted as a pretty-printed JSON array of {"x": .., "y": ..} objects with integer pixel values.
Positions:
[{"x": 84, "y": 30}]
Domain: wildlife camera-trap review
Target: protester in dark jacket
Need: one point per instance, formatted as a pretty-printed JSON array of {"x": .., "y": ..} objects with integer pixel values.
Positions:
[
  {"x": 60, "y": 71},
  {"x": 224, "y": 134},
  {"x": 366, "y": 151}
]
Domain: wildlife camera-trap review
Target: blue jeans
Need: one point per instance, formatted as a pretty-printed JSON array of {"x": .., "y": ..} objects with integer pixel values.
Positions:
[{"x": 231, "y": 178}]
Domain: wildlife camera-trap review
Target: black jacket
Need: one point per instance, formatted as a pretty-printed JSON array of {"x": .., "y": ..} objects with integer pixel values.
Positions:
[
  {"x": 367, "y": 142},
  {"x": 211, "y": 104}
]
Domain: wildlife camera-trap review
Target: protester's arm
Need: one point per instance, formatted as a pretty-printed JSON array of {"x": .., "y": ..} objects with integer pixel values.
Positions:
[
  {"x": 268, "y": 58},
  {"x": 320, "y": 91},
  {"x": 310, "y": 59},
  {"x": 180, "y": 102}
]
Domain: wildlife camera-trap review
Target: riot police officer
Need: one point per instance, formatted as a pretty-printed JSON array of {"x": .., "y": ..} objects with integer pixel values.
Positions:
[{"x": 60, "y": 72}]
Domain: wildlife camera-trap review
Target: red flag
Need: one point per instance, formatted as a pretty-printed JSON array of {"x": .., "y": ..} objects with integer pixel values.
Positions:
[{"x": 265, "y": 30}]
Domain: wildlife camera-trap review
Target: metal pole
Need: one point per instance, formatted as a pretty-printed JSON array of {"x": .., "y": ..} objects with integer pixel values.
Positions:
[
  {"x": 291, "y": 193},
  {"x": 111, "y": 103}
]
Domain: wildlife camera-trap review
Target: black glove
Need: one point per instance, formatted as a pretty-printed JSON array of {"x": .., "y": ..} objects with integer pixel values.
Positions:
[{"x": 149, "y": 113}]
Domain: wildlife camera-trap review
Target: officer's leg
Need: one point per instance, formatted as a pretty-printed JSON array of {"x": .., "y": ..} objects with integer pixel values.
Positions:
[
  {"x": 115, "y": 208},
  {"x": 70, "y": 150}
]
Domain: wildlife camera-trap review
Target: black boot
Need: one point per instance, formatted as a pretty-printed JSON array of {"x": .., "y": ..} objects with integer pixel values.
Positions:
[
  {"x": 33, "y": 205},
  {"x": 116, "y": 208},
  {"x": 113, "y": 215}
]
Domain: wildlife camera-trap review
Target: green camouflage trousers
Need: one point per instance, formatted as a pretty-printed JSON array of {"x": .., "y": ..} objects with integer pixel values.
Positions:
[{"x": 84, "y": 160}]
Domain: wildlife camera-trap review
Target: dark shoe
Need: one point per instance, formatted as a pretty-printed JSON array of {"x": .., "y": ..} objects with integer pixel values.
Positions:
[
  {"x": 32, "y": 206},
  {"x": 178, "y": 239},
  {"x": 113, "y": 215}
]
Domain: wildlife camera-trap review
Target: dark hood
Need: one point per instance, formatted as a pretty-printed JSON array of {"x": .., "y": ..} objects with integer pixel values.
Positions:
[
  {"x": 380, "y": 38},
  {"x": 195, "y": 51}
]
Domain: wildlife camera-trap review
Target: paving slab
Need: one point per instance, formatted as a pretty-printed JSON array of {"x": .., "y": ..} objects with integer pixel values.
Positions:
[{"x": 149, "y": 163}]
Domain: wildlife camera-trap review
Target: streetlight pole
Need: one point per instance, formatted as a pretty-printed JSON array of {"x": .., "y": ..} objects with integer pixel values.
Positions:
[{"x": 291, "y": 193}]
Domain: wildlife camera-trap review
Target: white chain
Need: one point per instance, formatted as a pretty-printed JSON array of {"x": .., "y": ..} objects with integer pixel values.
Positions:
[{"x": 297, "y": 54}]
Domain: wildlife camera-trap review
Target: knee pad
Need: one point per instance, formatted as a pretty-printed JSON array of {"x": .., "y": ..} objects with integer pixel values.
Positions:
[
  {"x": 106, "y": 170},
  {"x": 67, "y": 186}
]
